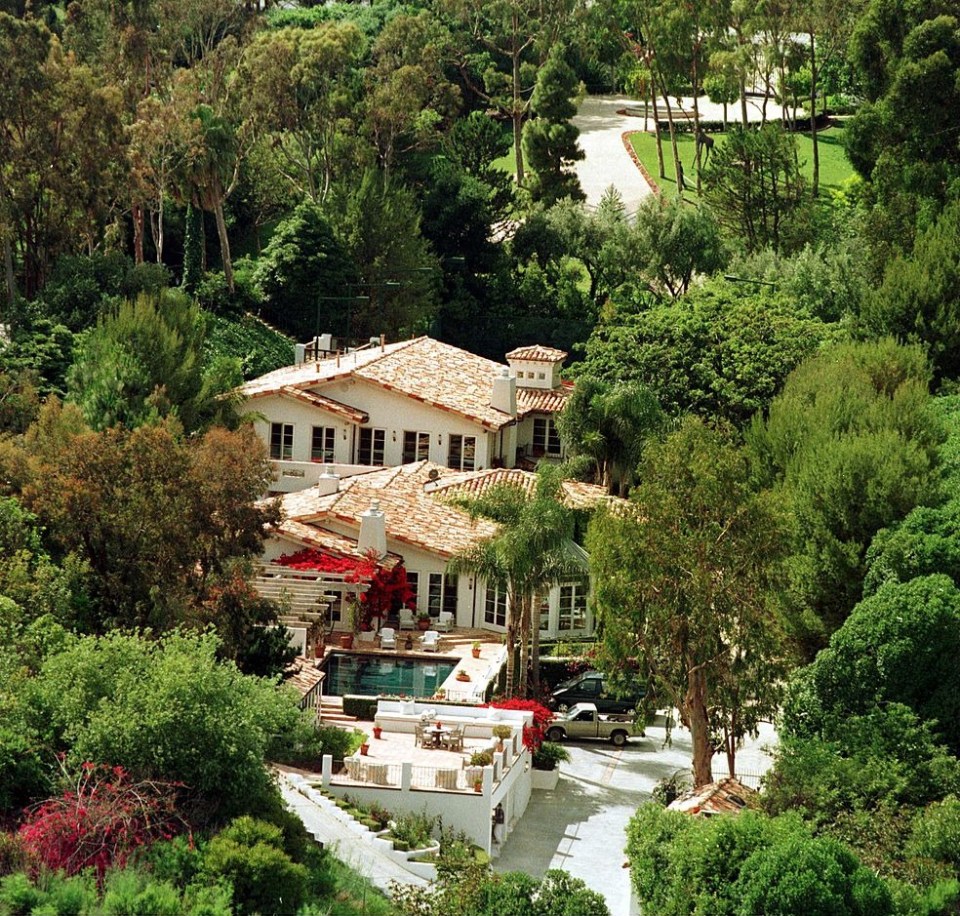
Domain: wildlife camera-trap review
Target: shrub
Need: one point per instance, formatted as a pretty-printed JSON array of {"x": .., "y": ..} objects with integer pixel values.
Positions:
[
  {"x": 416, "y": 830},
  {"x": 99, "y": 821},
  {"x": 481, "y": 758},
  {"x": 363, "y": 708},
  {"x": 549, "y": 755},
  {"x": 250, "y": 856}
]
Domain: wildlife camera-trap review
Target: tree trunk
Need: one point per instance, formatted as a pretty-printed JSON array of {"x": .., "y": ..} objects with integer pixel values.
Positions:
[
  {"x": 535, "y": 654},
  {"x": 677, "y": 167},
  {"x": 656, "y": 129},
  {"x": 524, "y": 644},
  {"x": 136, "y": 213},
  {"x": 813, "y": 114},
  {"x": 511, "y": 656},
  {"x": 696, "y": 117},
  {"x": 517, "y": 118},
  {"x": 224, "y": 245},
  {"x": 10, "y": 283},
  {"x": 695, "y": 703}
]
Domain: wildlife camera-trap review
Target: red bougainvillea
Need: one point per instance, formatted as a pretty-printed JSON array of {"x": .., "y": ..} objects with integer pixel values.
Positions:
[
  {"x": 100, "y": 821},
  {"x": 356, "y": 570},
  {"x": 387, "y": 590},
  {"x": 533, "y": 735}
]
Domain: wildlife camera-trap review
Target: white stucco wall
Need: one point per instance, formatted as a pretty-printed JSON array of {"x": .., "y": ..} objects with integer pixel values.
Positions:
[{"x": 393, "y": 412}]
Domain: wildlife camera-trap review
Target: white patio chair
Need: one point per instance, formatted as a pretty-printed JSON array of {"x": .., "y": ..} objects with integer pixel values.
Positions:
[
  {"x": 430, "y": 641},
  {"x": 444, "y": 621},
  {"x": 388, "y": 638},
  {"x": 406, "y": 618}
]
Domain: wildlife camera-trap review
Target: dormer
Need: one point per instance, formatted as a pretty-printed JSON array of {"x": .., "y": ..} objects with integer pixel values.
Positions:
[{"x": 536, "y": 366}]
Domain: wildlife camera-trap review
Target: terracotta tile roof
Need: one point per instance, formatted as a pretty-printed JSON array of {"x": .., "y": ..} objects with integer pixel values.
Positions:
[
  {"x": 541, "y": 400},
  {"x": 726, "y": 796},
  {"x": 314, "y": 373},
  {"x": 577, "y": 495},
  {"x": 325, "y": 403},
  {"x": 413, "y": 515},
  {"x": 538, "y": 353},
  {"x": 302, "y": 674},
  {"x": 426, "y": 370},
  {"x": 327, "y": 541}
]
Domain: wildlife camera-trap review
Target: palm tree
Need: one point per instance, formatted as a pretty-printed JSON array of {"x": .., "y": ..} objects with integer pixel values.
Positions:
[
  {"x": 532, "y": 552},
  {"x": 609, "y": 424}
]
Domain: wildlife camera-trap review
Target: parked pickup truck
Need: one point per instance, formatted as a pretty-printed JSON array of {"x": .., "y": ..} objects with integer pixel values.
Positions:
[{"x": 583, "y": 721}]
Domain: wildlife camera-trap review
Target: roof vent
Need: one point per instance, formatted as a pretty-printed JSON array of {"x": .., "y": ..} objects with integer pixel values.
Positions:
[
  {"x": 328, "y": 483},
  {"x": 433, "y": 474}
]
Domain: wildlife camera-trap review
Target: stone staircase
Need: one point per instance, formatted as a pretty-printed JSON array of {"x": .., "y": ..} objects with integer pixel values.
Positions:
[{"x": 331, "y": 712}]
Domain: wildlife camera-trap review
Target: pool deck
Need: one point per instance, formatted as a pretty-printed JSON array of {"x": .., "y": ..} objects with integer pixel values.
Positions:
[{"x": 453, "y": 646}]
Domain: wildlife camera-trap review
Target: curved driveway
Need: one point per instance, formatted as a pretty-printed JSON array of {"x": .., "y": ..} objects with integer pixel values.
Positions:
[{"x": 607, "y": 161}]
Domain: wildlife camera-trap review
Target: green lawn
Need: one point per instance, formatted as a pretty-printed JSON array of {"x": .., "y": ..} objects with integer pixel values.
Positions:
[{"x": 834, "y": 167}]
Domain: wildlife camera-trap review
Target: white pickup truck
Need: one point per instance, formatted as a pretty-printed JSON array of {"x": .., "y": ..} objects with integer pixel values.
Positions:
[{"x": 583, "y": 721}]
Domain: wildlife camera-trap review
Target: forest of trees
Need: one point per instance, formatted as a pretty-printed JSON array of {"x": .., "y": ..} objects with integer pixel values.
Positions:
[{"x": 766, "y": 368}]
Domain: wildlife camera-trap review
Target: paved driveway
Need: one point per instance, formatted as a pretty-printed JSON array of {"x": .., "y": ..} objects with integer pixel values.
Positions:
[{"x": 580, "y": 826}]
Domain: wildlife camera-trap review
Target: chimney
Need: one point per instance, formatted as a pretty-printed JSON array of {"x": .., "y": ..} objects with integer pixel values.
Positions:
[
  {"x": 504, "y": 396},
  {"x": 299, "y": 354},
  {"x": 327, "y": 483},
  {"x": 373, "y": 530}
]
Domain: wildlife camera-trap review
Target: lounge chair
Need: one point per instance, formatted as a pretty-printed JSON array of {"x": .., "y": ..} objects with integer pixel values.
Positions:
[
  {"x": 430, "y": 641},
  {"x": 406, "y": 618},
  {"x": 444, "y": 622},
  {"x": 388, "y": 638}
]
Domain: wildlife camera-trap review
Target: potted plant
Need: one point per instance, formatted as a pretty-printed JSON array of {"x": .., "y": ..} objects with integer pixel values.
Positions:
[
  {"x": 478, "y": 760},
  {"x": 463, "y": 676},
  {"x": 478, "y": 785},
  {"x": 476, "y": 649},
  {"x": 546, "y": 765},
  {"x": 364, "y": 749},
  {"x": 502, "y": 732},
  {"x": 377, "y": 731},
  {"x": 423, "y": 621}
]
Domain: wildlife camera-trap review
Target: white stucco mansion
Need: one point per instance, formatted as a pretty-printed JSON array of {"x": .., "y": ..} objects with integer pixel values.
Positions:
[
  {"x": 416, "y": 400},
  {"x": 370, "y": 447}
]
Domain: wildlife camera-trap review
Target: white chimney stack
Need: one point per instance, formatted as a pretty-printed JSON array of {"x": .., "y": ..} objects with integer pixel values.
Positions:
[
  {"x": 373, "y": 530},
  {"x": 504, "y": 395},
  {"x": 327, "y": 483}
]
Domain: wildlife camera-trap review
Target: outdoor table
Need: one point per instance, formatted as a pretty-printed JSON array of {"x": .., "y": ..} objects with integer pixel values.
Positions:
[{"x": 436, "y": 734}]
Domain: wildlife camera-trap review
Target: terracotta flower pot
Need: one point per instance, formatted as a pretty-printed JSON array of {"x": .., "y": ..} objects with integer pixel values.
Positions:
[
  {"x": 346, "y": 640},
  {"x": 377, "y": 732},
  {"x": 476, "y": 653},
  {"x": 364, "y": 750},
  {"x": 423, "y": 624}
]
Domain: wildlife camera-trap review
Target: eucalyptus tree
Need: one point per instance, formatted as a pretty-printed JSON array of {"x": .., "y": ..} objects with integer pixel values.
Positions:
[
  {"x": 687, "y": 584},
  {"x": 533, "y": 551}
]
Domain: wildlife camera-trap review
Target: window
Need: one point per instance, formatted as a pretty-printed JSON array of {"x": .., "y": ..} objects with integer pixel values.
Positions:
[
  {"x": 371, "y": 446},
  {"x": 462, "y": 454},
  {"x": 413, "y": 582},
  {"x": 546, "y": 439},
  {"x": 435, "y": 594},
  {"x": 281, "y": 441},
  {"x": 573, "y": 608},
  {"x": 544, "y": 601},
  {"x": 495, "y": 607},
  {"x": 541, "y": 375},
  {"x": 450, "y": 595},
  {"x": 321, "y": 445},
  {"x": 416, "y": 446}
]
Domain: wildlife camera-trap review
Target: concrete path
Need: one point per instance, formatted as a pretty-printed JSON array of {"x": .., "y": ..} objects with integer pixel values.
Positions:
[
  {"x": 607, "y": 161},
  {"x": 361, "y": 855},
  {"x": 580, "y": 826}
]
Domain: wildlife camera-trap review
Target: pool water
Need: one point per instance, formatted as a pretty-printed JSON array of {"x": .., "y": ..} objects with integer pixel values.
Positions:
[{"x": 369, "y": 675}]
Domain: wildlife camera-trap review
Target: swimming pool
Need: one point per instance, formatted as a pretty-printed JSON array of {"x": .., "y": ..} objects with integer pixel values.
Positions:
[{"x": 370, "y": 675}]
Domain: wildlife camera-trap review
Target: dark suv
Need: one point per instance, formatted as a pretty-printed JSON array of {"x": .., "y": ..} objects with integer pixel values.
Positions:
[{"x": 589, "y": 688}]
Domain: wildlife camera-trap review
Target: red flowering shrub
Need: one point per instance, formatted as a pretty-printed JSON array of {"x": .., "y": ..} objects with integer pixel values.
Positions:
[
  {"x": 310, "y": 559},
  {"x": 99, "y": 822},
  {"x": 533, "y": 735}
]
